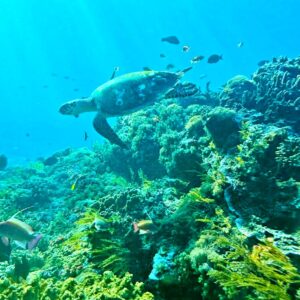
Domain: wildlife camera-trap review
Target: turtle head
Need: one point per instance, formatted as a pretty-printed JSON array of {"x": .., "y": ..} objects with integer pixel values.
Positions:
[{"x": 77, "y": 106}]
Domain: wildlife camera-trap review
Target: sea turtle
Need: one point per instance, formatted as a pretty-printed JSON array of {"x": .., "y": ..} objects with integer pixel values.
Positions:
[{"x": 123, "y": 95}]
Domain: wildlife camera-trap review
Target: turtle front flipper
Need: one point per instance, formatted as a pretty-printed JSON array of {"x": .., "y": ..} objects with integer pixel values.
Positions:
[{"x": 103, "y": 128}]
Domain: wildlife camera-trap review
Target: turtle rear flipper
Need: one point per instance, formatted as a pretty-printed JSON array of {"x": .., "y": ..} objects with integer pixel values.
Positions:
[
  {"x": 182, "y": 90},
  {"x": 103, "y": 128}
]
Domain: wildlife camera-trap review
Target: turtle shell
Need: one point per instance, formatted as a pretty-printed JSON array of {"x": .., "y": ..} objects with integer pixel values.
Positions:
[{"x": 132, "y": 91}]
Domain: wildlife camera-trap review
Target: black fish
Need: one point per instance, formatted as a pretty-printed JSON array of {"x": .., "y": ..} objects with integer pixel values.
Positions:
[
  {"x": 214, "y": 58},
  {"x": 85, "y": 136},
  {"x": 186, "y": 48},
  {"x": 170, "y": 66},
  {"x": 116, "y": 69},
  {"x": 162, "y": 55},
  {"x": 50, "y": 161},
  {"x": 171, "y": 39},
  {"x": 146, "y": 69},
  {"x": 262, "y": 62},
  {"x": 196, "y": 59}
]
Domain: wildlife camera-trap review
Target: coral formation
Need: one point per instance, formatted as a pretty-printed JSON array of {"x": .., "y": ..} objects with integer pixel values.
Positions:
[{"x": 216, "y": 174}]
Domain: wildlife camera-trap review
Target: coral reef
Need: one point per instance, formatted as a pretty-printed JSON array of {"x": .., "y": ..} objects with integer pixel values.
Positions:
[
  {"x": 273, "y": 91},
  {"x": 217, "y": 176}
]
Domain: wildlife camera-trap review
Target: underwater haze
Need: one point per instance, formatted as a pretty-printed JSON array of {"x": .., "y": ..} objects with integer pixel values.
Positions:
[
  {"x": 54, "y": 51},
  {"x": 150, "y": 150}
]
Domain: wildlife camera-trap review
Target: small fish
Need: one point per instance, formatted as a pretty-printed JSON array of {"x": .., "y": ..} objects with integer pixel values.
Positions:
[
  {"x": 214, "y": 58},
  {"x": 73, "y": 186},
  {"x": 240, "y": 44},
  {"x": 170, "y": 66},
  {"x": 116, "y": 69},
  {"x": 186, "y": 48},
  {"x": 85, "y": 136},
  {"x": 202, "y": 76},
  {"x": 146, "y": 69},
  {"x": 143, "y": 226},
  {"x": 262, "y": 62},
  {"x": 5, "y": 241},
  {"x": 19, "y": 232},
  {"x": 66, "y": 77},
  {"x": 53, "y": 74},
  {"x": 156, "y": 119},
  {"x": 45, "y": 86},
  {"x": 196, "y": 59},
  {"x": 171, "y": 39},
  {"x": 75, "y": 89},
  {"x": 162, "y": 55},
  {"x": 101, "y": 224}
]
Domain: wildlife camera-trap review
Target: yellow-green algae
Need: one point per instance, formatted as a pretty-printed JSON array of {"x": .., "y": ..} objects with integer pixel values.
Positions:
[{"x": 89, "y": 286}]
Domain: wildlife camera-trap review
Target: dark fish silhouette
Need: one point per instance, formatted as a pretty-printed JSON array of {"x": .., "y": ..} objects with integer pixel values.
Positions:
[
  {"x": 146, "y": 69},
  {"x": 116, "y": 69},
  {"x": 171, "y": 39},
  {"x": 196, "y": 59},
  {"x": 186, "y": 48},
  {"x": 85, "y": 136},
  {"x": 262, "y": 62},
  {"x": 170, "y": 66},
  {"x": 214, "y": 58},
  {"x": 162, "y": 55}
]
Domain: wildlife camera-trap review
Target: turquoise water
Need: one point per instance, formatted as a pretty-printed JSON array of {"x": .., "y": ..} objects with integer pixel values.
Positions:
[
  {"x": 195, "y": 196},
  {"x": 53, "y": 51}
]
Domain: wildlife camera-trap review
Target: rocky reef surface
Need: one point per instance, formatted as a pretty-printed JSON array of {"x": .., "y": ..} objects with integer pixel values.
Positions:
[{"x": 218, "y": 176}]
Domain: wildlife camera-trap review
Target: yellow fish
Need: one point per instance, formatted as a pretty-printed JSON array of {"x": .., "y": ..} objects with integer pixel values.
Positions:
[{"x": 73, "y": 186}]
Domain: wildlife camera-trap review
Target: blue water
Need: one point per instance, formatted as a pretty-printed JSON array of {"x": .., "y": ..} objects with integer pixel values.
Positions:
[{"x": 57, "y": 50}]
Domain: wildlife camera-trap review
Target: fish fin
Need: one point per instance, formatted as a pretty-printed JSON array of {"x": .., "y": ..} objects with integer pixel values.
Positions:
[
  {"x": 142, "y": 231},
  {"x": 22, "y": 245},
  {"x": 5, "y": 241},
  {"x": 33, "y": 243},
  {"x": 135, "y": 227},
  {"x": 21, "y": 211},
  {"x": 103, "y": 128}
]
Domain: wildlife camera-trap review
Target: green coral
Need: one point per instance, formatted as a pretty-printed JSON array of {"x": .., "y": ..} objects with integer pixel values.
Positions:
[{"x": 86, "y": 286}]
